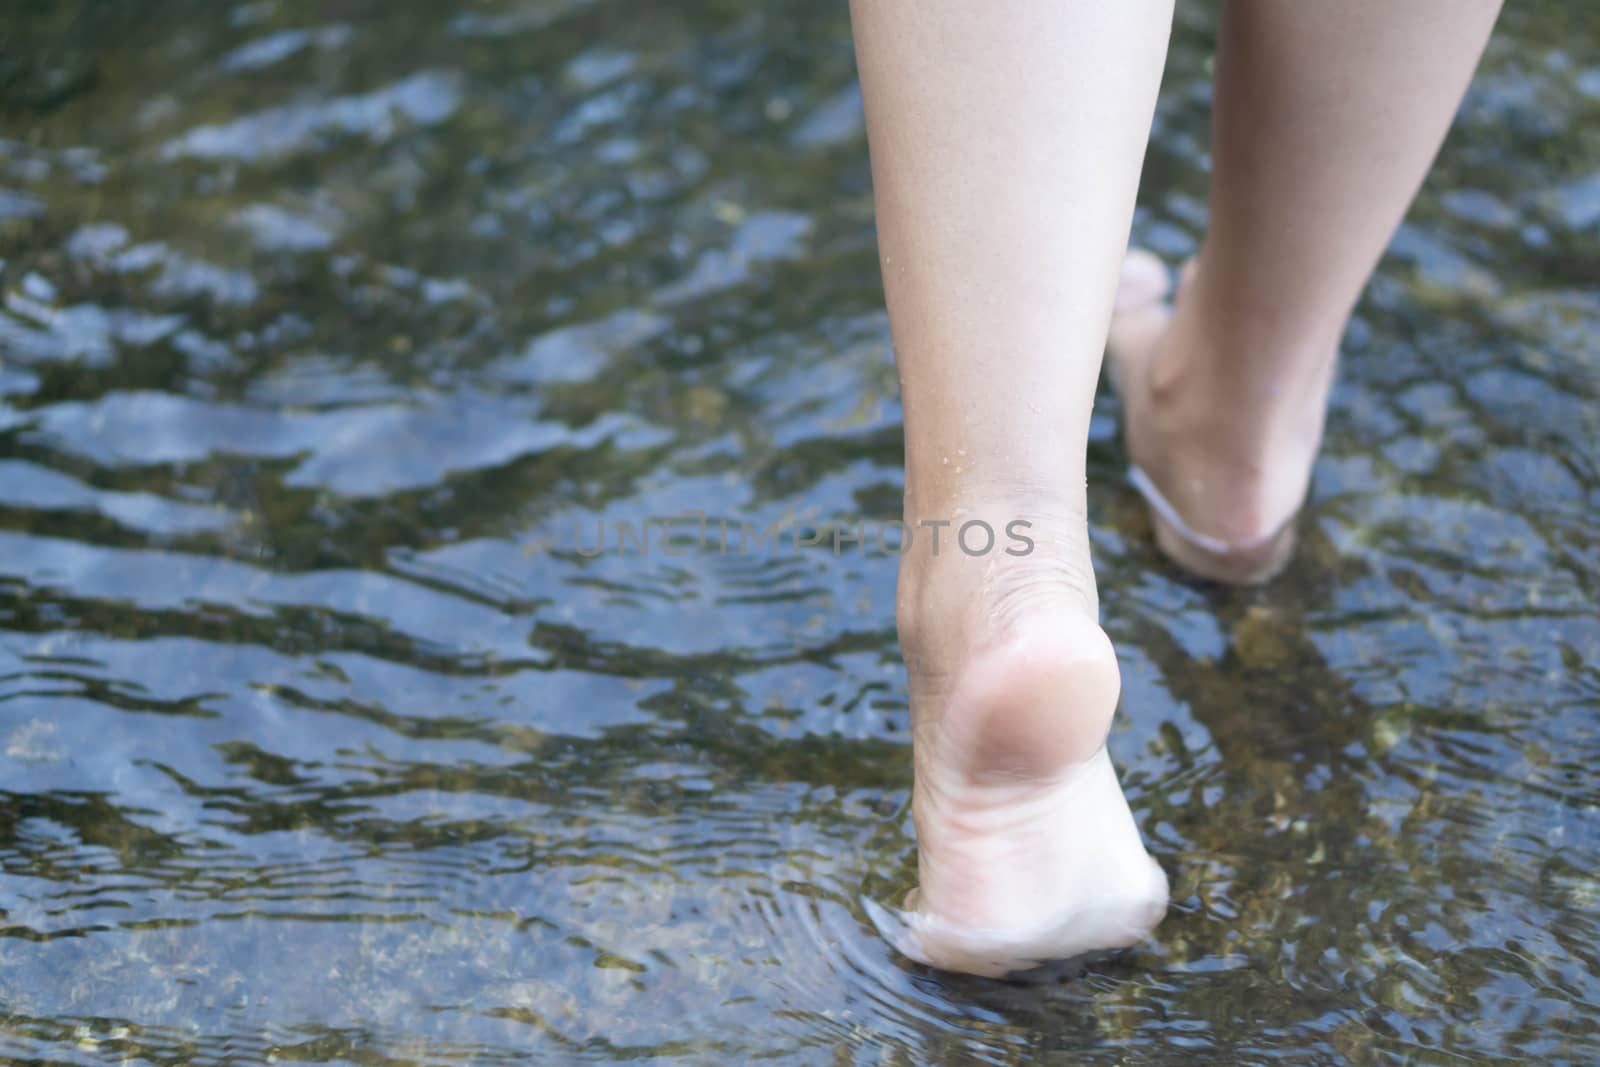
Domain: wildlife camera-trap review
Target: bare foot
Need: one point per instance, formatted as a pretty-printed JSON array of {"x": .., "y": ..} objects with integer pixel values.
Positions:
[
  {"x": 1027, "y": 851},
  {"x": 1222, "y": 454}
]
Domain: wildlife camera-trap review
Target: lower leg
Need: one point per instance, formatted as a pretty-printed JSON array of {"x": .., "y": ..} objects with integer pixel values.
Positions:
[
  {"x": 1326, "y": 119},
  {"x": 1006, "y": 143}
]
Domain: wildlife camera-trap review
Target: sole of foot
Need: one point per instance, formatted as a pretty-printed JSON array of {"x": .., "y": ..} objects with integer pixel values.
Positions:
[
  {"x": 1139, "y": 324},
  {"x": 1027, "y": 850}
]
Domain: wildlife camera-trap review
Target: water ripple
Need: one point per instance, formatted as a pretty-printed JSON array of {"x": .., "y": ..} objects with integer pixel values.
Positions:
[{"x": 327, "y": 348}]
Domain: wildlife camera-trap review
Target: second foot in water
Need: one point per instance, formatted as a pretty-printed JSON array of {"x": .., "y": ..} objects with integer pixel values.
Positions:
[{"x": 1224, "y": 477}]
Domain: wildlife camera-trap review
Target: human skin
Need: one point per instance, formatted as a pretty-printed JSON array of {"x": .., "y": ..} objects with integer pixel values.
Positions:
[{"x": 1006, "y": 144}]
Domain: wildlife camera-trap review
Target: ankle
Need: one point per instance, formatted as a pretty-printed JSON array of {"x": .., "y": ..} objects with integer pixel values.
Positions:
[
  {"x": 1253, "y": 378},
  {"x": 958, "y": 601},
  {"x": 1238, "y": 423}
]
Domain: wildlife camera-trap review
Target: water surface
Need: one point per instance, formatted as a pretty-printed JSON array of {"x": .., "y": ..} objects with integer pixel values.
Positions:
[{"x": 321, "y": 325}]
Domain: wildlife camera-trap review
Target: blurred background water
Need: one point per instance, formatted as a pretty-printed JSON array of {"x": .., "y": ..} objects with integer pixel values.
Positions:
[{"x": 322, "y": 325}]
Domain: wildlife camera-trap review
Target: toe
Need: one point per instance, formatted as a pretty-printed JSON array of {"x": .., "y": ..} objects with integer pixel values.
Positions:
[
  {"x": 1143, "y": 281},
  {"x": 1139, "y": 318}
]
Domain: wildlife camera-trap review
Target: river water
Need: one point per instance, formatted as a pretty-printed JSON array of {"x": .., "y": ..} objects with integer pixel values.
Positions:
[{"x": 329, "y": 331}]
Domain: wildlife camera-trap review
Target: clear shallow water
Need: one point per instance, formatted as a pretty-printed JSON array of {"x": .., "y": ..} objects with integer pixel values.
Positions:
[{"x": 323, "y": 324}]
